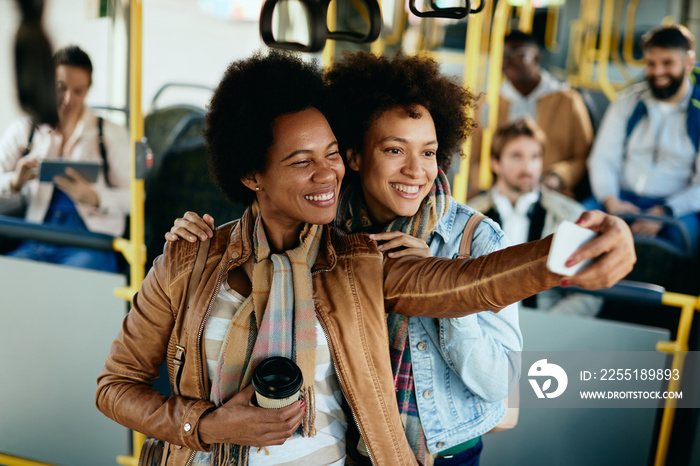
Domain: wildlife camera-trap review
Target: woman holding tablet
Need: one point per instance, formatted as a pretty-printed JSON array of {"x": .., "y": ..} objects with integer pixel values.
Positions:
[{"x": 99, "y": 206}]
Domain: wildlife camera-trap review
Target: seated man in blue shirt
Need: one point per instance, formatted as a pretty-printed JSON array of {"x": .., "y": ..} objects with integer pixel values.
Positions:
[{"x": 645, "y": 156}]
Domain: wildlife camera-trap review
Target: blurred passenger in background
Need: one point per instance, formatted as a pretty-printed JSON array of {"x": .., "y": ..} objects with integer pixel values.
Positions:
[
  {"x": 527, "y": 211},
  {"x": 529, "y": 90},
  {"x": 80, "y": 136},
  {"x": 645, "y": 158}
]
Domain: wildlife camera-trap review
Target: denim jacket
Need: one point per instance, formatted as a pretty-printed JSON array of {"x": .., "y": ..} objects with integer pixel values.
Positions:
[{"x": 461, "y": 365}]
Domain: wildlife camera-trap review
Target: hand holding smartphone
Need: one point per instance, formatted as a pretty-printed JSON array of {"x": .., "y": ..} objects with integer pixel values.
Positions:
[{"x": 567, "y": 239}]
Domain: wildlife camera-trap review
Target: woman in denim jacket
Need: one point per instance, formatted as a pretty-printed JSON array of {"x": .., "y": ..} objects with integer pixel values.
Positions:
[
  {"x": 414, "y": 122},
  {"x": 454, "y": 372}
]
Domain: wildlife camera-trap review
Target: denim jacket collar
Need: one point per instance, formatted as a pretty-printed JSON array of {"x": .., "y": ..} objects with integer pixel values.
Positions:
[{"x": 447, "y": 222}]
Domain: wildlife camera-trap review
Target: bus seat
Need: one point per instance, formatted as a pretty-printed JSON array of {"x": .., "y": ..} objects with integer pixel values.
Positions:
[
  {"x": 596, "y": 104},
  {"x": 159, "y": 125},
  {"x": 180, "y": 183}
]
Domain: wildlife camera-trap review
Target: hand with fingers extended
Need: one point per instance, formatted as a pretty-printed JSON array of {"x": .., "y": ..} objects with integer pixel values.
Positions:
[
  {"x": 77, "y": 187},
  {"x": 613, "y": 250},
  {"x": 191, "y": 227},
  {"x": 240, "y": 422},
  {"x": 398, "y": 244},
  {"x": 25, "y": 171}
]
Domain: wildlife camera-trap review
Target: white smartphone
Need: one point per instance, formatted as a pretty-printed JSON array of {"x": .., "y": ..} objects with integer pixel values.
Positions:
[{"x": 567, "y": 239}]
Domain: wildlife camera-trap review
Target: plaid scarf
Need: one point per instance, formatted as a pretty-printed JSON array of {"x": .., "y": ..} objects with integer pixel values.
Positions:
[
  {"x": 352, "y": 216},
  {"x": 279, "y": 320}
]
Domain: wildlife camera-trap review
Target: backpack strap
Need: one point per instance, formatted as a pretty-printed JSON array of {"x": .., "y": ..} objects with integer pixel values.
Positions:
[
  {"x": 28, "y": 149},
  {"x": 693, "y": 122},
  {"x": 103, "y": 149},
  {"x": 639, "y": 112},
  {"x": 466, "y": 245},
  {"x": 195, "y": 277}
]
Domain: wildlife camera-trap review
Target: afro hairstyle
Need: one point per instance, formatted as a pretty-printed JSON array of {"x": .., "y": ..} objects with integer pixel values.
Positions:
[
  {"x": 365, "y": 86},
  {"x": 253, "y": 93}
]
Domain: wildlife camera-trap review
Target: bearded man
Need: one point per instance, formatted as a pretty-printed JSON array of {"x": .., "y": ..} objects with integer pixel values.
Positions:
[{"x": 645, "y": 156}]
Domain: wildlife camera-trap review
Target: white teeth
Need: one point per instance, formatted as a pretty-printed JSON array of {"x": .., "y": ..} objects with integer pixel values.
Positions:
[
  {"x": 322, "y": 197},
  {"x": 405, "y": 189}
]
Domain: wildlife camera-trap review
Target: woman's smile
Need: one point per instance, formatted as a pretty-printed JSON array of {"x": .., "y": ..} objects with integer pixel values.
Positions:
[
  {"x": 407, "y": 191},
  {"x": 398, "y": 164}
]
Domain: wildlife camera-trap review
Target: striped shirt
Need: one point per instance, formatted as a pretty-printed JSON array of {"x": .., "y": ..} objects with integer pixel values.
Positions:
[{"x": 327, "y": 447}]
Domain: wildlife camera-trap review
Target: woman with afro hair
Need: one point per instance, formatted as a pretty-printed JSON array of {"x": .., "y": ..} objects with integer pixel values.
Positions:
[{"x": 399, "y": 122}]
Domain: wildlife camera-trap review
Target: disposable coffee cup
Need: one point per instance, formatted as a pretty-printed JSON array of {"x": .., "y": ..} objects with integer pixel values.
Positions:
[{"x": 277, "y": 382}]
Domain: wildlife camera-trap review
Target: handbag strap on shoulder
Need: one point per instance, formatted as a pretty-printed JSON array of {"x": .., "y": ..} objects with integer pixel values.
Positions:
[
  {"x": 195, "y": 278},
  {"x": 466, "y": 245}
]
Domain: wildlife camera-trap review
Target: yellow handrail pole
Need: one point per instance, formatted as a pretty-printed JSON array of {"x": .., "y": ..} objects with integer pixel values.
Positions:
[
  {"x": 573, "y": 57},
  {"x": 688, "y": 305},
  {"x": 527, "y": 13},
  {"x": 575, "y": 60},
  {"x": 551, "y": 29},
  {"x": 9, "y": 460},
  {"x": 471, "y": 68},
  {"x": 498, "y": 29},
  {"x": 485, "y": 42},
  {"x": 628, "y": 44},
  {"x": 615, "y": 43},
  {"x": 590, "y": 38},
  {"x": 332, "y": 20},
  {"x": 669, "y": 415},
  {"x": 604, "y": 50},
  {"x": 378, "y": 46},
  {"x": 134, "y": 249}
]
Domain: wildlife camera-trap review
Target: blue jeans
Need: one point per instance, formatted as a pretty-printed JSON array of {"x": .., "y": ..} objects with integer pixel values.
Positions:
[
  {"x": 62, "y": 213},
  {"x": 691, "y": 222},
  {"x": 468, "y": 457}
]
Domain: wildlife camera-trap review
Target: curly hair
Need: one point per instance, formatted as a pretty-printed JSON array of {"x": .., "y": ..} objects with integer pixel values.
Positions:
[
  {"x": 366, "y": 86},
  {"x": 239, "y": 124}
]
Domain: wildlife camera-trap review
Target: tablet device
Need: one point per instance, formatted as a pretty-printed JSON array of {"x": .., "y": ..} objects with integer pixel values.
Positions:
[
  {"x": 567, "y": 239},
  {"x": 50, "y": 168}
]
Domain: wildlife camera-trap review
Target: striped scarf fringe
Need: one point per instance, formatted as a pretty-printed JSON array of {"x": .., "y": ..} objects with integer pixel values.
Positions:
[{"x": 279, "y": 320}]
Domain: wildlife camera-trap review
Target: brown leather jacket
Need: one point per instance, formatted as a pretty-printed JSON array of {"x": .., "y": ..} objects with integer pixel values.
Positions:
[{"x": 349, "y": 279}]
